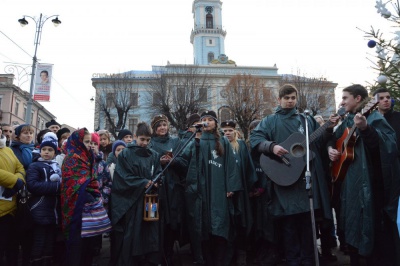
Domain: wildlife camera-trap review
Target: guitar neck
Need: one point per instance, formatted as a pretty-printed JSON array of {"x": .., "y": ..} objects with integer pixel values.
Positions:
[{"x": 317, "y": 133}]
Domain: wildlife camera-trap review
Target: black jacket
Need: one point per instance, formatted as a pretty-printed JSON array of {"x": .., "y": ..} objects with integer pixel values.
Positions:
[{"x": 44, "y": 200}]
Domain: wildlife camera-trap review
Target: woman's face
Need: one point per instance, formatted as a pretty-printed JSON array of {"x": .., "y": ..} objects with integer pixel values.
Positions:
[
  {"x": 95, "y": 147},
  {"x": 162, "y": 129},
  {"x": 26, "y": 137},
  {"x": 86, "y": 141},
  {"x": 104, "y": 141},
  {"x": 210, "y": 124},
  {"x": 229, "y": 133}
]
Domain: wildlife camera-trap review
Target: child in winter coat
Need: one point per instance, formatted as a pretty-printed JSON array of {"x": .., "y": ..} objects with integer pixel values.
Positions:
[{"x": 43, "y": 182}]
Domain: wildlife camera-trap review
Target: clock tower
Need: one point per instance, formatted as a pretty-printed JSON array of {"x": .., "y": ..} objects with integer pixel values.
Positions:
[{"x": 207, "y": 35}]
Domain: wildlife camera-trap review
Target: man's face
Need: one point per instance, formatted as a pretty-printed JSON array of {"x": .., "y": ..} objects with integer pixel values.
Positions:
[
  {"x": 385, "y": 102},
  {"x": 349, "y": 102},
  {"x": 288, "y": 101},
  {"x": 7, "y": 131},
  {"x": 143, "y": 141},
  {"x": 127, "y": 139},
  {"x": 54, "y": 128},
  {"x": 43, "y": 76},
  {"x": 229, "y": 133}
]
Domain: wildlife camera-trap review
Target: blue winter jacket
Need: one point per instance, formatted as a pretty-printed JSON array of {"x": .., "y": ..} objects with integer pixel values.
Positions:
[{"x": 44, "y": 201}]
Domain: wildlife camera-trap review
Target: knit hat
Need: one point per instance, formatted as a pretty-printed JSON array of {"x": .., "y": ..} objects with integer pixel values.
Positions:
[
  {"x": 116, "y": 144},
  {"x": 96, "y": 138},
  {"x": 62, "y": 131},
  {"x": 193, "y": 118},
  {"x": 52, "y": 122},
  {"x": 229, "y": 123},
  {"x": 157, "y": 119},
  {"x": 41, "y": 134},
  {"x": 209, "y": 113},
  {"x": 49, "y": 139},
  {"x": 124, "y": 132},
  {"x": 18, "y": 129}
]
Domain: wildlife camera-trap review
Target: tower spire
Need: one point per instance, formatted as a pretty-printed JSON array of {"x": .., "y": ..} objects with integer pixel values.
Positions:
[{"x": 207, "y": 37}]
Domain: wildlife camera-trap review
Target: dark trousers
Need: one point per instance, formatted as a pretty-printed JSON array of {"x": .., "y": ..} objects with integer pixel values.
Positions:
[
  {"x": 214, "y": 250},
  {"x": 43, "y": 241},
  {"x": 298, "y": 239},
  {"x": 81, "y": 251},
  {"x": 8, "y": 251}
]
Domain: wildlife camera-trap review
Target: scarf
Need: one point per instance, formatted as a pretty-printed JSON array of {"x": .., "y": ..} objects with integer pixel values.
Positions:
[
  {"x": 26, "y": 151},
  {"x": 77, "y": 178}
]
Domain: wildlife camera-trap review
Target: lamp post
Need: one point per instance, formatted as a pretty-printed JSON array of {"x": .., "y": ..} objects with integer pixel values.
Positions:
[{"x": 39, "y": 25}]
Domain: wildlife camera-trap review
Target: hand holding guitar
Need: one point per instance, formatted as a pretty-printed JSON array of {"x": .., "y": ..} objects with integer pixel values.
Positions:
[
  {"x": 334, "y": 119},
  {"x": 360, "y": 121},
  {"x": 279, "y": 150},
  {"x": 334, "y": 154}
]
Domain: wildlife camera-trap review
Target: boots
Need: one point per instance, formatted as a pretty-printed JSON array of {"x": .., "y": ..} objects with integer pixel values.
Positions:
[{"x": 241, "y": 258}]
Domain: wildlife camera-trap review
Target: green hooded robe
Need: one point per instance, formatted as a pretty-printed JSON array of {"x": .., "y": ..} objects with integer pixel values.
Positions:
[
  {"x": 293, "y": 199},
  {"x": 208, "y": 180},
  {"x": 134, "y": 236},
  {"x": 361, "y": 198}
]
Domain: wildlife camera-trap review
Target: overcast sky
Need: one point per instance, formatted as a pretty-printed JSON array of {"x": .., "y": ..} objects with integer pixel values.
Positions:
[{"x": 319, "y": 37}]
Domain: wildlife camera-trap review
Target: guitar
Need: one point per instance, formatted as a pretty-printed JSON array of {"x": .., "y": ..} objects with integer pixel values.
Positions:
[
  {"x": 286, "y": 170},
  {"x": 345, "y": 146}
]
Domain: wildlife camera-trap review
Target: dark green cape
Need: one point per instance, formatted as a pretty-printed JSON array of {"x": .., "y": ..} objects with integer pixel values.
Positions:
[
  {"x": 244, "y": 217},
  {"x": 208, "y": 180},
  {"x": 360, "y": 200},
  {"x": 293, "y": 199},
  {"x": 133, "y": 236}
]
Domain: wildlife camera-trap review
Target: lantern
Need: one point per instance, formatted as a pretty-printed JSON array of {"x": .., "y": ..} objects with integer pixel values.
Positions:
[{"x": 151, "y": 208}]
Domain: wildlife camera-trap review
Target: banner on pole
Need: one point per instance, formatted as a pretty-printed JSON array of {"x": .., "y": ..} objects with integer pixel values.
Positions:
[{"x": 43, "y": 82}]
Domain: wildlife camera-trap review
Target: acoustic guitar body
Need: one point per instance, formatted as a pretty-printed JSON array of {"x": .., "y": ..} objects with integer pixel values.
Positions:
[{"x": 339, "y": 167}]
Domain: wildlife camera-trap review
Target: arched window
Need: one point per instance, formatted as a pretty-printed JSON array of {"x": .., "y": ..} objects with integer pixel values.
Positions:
[
  {"x": 225, "y": 114},
  {"x": 210, "y": 57},
  {"x": 209, "y": 21}
]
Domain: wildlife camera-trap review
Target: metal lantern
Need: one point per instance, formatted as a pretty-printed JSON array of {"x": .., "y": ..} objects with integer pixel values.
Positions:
[{"x": 151, "y": 208}]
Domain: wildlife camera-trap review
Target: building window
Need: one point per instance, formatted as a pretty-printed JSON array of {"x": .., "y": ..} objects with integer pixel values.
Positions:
[
  {"x": 225, "y": 114},
  {"x": 108, "y": 125},
  {"x": 156, "y": 98},
  {"x": 266, "y": 95},
  {"x": 209, "y": 21},
  {"x": 1, "y": 101},
  {"x": 25, "y": 111},
  {"x": 132, "y": 124},
  {"x": 322, "y": 101},
  {"x": 210, "y": 57},
  {"x": 42, "y": 126},
  {"x": 134, "y": 98},
  {"x": 210, "y": 41},
  {"x": 32, "y": 113},
  {"x": 16, "y": 107},
  {"x": 180, "y": 94},
  {"x": 203, "y": 95},
  {"x": 110, "y": 100}
]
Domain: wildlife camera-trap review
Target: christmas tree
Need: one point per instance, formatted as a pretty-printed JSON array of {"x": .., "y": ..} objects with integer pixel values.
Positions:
[{"x": 387, "y": 61}]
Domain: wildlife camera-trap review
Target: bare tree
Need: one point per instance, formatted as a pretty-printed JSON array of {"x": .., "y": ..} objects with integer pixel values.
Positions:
[
  {"x": 119, "y": 96},
  {"x": 245, "y": 97},
  {"x": 313, "y": 92},
  {"x": 178, "y": 91}
]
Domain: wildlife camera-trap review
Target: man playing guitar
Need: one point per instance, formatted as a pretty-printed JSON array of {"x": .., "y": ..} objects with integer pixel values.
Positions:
[{"x": 371, "y": 183}]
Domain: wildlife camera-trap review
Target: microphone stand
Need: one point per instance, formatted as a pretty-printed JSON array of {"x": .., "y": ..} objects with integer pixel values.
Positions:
[
  {"x": 309, "y": 190},
  {"x": 181, "y": 148}
]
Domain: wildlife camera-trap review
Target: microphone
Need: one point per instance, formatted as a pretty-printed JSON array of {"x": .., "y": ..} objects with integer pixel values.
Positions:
[{"x": 200, "y": 125}]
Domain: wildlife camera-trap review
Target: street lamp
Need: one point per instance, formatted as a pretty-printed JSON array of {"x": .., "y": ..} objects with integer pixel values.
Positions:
[{"x": 39, "y": 25}]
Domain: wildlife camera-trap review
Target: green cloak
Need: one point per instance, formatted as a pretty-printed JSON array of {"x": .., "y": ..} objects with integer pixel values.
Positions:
[
  {"x": 359, "y": 198},
  {"x": 248, "y": 177},
  {"x": 133, "y": 236},
  {"x": 209, "y": 179},
  {"x": 293, "y": 199}
]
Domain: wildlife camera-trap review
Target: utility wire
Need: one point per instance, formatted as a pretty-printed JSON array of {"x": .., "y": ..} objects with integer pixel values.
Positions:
[{"x": 15, "y": 43}]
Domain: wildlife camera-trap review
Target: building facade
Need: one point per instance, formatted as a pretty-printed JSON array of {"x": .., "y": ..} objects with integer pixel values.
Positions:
[
  {"x": 13, "y": 105},
  {"x": 210, "y": 61}
]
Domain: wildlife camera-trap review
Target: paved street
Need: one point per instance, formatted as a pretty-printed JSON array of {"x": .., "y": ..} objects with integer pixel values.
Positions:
[{"x": 184, "y": 258}]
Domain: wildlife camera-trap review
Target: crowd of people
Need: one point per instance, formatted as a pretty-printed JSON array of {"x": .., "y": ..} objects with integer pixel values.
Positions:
[{"x": 63, "y": 195}]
